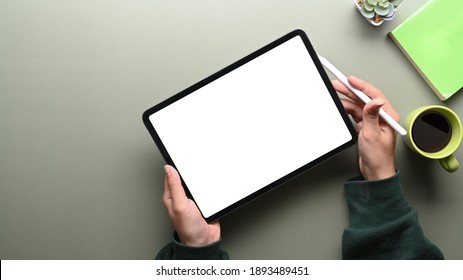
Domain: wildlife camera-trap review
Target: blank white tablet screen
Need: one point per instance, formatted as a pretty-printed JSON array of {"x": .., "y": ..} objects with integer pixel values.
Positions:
[{"x": 251, "y": 127}]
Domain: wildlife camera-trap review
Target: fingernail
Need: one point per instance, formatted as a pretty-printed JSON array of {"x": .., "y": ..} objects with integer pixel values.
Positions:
[
  {"x": 381, "y": 102},
  {"x": 353, "y": 78},
  {"x": 167, "y": 170}
]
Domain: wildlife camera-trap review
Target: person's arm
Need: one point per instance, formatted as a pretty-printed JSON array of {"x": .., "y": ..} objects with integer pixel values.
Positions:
[
  {"x": 382, "y": 225},
  {"x": 194, "y": 237},
  {"x": 176, "y": 250}
]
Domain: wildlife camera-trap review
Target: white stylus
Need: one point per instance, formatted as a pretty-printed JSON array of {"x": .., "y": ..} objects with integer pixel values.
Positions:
[{"x": 343, "y": 79}]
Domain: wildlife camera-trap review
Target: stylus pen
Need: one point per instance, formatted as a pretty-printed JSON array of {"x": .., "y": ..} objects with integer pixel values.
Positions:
[{"x": 343, "y": 79}]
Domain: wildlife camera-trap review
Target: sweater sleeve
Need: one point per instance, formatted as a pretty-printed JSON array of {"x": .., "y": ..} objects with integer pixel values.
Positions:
[
  {"x": 178, "y": 251},
  {"x": 382, "y": 225}
]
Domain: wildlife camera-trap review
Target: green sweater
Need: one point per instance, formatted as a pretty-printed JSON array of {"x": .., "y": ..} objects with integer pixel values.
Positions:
[
  {"x": 178, "y": 251},
  {"x": 382, "y": 226}
]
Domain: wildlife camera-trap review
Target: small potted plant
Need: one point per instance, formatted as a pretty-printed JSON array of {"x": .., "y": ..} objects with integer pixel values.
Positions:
[{"x": 377, "y": 11}]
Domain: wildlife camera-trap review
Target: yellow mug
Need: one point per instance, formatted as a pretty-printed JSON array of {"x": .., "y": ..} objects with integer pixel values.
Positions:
[{"x": 435, "y": 132}]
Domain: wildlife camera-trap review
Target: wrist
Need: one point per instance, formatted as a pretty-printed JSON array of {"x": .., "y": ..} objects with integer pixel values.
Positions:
[
  {"x": 198, "y": 241},
  {"x": 379, "y": 173}
]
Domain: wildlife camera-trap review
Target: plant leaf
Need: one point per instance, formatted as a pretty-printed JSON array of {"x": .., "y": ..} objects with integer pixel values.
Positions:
[
  {"x": 391, "y": 11},
  {"x": 381, "y": 10},
  {"x": 384, "y": 4},
  {"x": 396, "y": 2},
  {"x": 367, "y": 6},
  {"x": 366, "y": 13}
]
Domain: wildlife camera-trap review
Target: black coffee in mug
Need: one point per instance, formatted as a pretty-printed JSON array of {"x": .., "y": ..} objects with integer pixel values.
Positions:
[{"x": 431, "y": 131}]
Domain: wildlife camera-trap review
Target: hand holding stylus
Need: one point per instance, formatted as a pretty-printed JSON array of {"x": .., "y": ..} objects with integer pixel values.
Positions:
[
  {"x": 377, "y": 139},
  {"x": 361, "y": 95}
]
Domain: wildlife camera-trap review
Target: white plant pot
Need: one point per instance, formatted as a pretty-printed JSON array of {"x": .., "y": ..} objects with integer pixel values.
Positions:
[{"x": 388, "y": 17}]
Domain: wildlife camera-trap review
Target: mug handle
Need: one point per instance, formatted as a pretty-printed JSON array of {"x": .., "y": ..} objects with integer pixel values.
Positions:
[{"x": 450, "y": 163}]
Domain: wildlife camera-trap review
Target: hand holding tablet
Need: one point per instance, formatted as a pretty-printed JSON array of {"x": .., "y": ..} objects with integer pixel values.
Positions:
[
  {"x": 255, "y": 124},
  {"x": 191, "y": 228}
]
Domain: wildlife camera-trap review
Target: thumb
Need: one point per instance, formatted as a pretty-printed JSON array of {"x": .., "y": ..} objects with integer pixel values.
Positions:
[
  {"x": 174, "y": 185},
  {"x": 371, "y": 114}
]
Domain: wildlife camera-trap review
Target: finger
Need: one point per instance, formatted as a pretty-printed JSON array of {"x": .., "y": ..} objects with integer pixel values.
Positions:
[
  {"x": 353, "y": 109},
  {"x": 373, "y": 93},
  {"x": 359, "y": 127},
  {"x": 342, "y": 89},
  {"x": 173, "y": 184},
  {"x": 166, "y": 196},
  {"x": 367, "y": 88},
  {"x": 371, "y": 116}
]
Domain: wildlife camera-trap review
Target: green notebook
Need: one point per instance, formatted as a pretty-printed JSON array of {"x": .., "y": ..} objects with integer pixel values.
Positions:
[{"x": 432, "y": 39}]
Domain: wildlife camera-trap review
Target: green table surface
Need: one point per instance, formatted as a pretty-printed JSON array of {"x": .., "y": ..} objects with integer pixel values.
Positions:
[{"x": 80, "y": 177}]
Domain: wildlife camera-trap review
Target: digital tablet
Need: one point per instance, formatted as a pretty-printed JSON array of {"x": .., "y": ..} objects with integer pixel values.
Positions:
[{"x": 251, "y": 126}]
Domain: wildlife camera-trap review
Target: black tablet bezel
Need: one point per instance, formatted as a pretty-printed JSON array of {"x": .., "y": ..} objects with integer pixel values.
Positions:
[{"x": 226, "y": 70}]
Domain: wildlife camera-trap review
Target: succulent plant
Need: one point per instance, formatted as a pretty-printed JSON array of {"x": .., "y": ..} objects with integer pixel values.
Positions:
[{"x": 378, "y": 8}]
